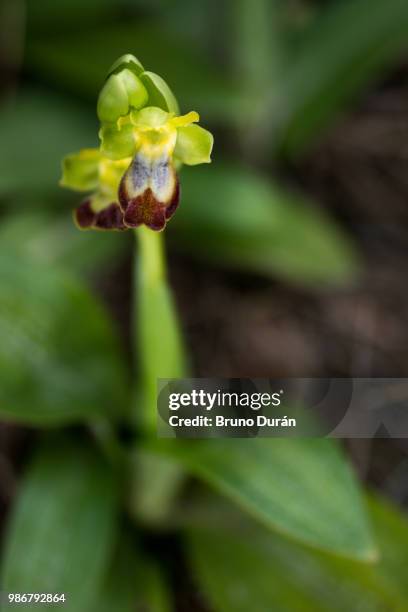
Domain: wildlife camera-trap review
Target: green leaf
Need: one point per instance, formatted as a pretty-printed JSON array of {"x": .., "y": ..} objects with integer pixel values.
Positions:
[
  {"x": 132, "y": 582},
  {"x": 59, "y": 356},
  {"x": 303, "y": 488},
  {"x": 62, "y": 527},
  {"x": 231, "y": 215},
  {"x": 348, "y": 47},
  {"x": 257, "y": 44},
  {"x": 194, "y": 145},
  {"x": 285, "y": 576},
  {"x": 391, "y": 532}
]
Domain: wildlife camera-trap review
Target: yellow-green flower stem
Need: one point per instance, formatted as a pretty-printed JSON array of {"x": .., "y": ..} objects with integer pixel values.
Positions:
[
  {"x": 152, "y": 267},
  {"x": 159, "y": 345},
  {"x": 156, "y": 327}
]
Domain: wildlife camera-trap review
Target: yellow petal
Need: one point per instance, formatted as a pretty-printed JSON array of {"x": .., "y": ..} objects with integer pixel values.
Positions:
[{"x": 183, "y": 120}]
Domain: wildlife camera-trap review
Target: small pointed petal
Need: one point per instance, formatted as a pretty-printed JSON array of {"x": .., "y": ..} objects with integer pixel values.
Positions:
[{"x": 183, "y": 120}]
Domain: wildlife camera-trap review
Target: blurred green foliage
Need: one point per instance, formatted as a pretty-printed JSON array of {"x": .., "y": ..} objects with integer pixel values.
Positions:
[
  {"x": 73, "y": 498},
  {"x": 234, "y": 216},
  {"x": 268, "y": 79},
  {"x": 275, "y": 573},
  {"x": 59, "y": 357},
  {"x": 244, "y": 470}
]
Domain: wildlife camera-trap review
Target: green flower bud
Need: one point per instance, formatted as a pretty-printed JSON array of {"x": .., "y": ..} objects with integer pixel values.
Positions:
[
  {"x": 159, "y": 92},
  {"x": 121, "y": 93},
  {"x": 126, "y": 61}
]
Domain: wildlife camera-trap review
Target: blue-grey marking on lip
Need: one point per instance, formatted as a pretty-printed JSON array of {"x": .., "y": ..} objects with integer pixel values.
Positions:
[
  {"x": 161, "y": 174},
  {"x": 140, "y": 172}
]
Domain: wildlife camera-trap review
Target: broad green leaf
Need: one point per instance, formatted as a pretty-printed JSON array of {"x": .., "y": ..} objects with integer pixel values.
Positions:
[
  {"x": 303, "y": 488},
  {"x": 347, "y": 47},
  {"x": 391, "y": 533},
  {"x": 62, "y": 527},
  {"x": 59, "y": 356},
  {"x": 196, "y": 83},
  {"x": 37, "y": 130},
  {"x": 132, "y": 582},
  {"x": 290, "y": 577},
  {"x": 231, "y": 215}
]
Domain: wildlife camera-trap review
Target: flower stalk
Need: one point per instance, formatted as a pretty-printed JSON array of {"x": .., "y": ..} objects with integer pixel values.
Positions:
[
  {"x": 157, "y": 334},
  {"x": 159, "y": 344}
]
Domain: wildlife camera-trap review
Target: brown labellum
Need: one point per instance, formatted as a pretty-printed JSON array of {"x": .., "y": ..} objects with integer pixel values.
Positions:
[
  {"x": 109, "y": 218},
  {"x": 149, "y": 192}
]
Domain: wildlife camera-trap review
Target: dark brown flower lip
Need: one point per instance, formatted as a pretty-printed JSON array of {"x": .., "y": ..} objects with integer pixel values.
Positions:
[
  {"x": 110, "y": 218},
  {"x": 146, "y": 209}
]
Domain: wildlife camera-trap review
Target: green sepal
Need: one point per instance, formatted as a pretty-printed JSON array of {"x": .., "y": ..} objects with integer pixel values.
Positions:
[
  {"x": 126, "y": 61},
  {"x": 80, "y": 171},
  {"x": 159, "y": 92},
  {"x": 121, "y": 92},
  {"x": 194, "y": 145},
  {"x": 117, "y": 142}
]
